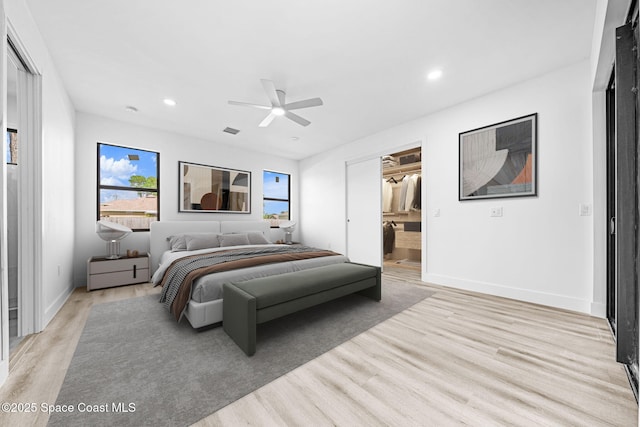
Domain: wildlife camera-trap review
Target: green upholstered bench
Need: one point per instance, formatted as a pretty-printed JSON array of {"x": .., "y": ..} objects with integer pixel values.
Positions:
[{"x": 246, "y": 304}]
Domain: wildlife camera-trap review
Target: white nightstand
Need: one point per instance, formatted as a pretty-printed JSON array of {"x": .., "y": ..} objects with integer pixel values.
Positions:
[{"x": 107, "y": 273}]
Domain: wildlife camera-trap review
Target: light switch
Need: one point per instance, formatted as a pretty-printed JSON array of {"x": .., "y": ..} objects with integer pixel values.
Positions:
[
  {"x": 496, "y": 211},
  {"x": 436, "y": 212}
]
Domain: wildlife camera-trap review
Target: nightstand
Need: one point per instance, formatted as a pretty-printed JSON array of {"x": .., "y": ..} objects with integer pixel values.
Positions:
[{"x": 107, "y": 273}]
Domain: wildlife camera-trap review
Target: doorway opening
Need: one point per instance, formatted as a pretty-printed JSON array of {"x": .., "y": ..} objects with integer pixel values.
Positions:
[
  {"x": 401, "y": 209},
  {"x": 23, "y": 192},
  {"x": 13, "y": 188}
]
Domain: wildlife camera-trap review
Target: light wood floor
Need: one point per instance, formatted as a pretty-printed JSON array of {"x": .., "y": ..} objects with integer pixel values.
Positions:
[{"x": 455, "y": 358}]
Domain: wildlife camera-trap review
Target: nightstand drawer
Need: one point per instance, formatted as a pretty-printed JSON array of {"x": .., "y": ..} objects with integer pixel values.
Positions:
[
  {"x": 122, "y": 264},
  {"x": 117, "y": 278},
  {"x": 105, "y": 273}
]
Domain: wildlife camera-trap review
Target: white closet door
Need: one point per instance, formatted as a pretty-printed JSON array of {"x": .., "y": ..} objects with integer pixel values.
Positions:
[{"x": 364, "y": 211}]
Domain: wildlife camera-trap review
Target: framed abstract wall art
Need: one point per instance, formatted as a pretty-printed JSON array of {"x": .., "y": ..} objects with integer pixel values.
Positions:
[
  {"x": 205, "y": 188},
  {"x": 499, "y": 160}
]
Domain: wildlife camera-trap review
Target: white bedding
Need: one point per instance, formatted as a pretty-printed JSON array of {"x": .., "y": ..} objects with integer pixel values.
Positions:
[
  {"x": 209, "y": 287},
  {"x": 205, "y": 306}
]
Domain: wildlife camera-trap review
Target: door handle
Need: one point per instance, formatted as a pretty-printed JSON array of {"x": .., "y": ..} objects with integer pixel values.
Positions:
[{"x": 612, "y": 225}]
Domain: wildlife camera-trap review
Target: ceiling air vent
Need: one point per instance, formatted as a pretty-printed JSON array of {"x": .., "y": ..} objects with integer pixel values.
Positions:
[{"x": 232, "y": 131}]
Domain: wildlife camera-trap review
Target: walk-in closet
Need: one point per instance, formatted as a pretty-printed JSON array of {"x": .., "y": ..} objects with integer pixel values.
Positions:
[{"x": 401, "y": 209}]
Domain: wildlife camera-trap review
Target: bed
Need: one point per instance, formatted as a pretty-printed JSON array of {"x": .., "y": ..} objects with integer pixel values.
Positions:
[{"x": 200, "y": 301}]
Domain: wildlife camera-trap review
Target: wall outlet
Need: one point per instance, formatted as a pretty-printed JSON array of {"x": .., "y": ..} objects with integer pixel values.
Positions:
[
  {"x": 496, "y": 211},
  {"x": 584, "y": 209}
]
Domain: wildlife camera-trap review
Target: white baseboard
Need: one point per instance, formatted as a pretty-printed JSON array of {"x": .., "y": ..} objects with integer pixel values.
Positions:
[
  {"x": 599, "y": 309},
  {"x": 536, "y": 297},
  {"x": 53, "y": 309}
]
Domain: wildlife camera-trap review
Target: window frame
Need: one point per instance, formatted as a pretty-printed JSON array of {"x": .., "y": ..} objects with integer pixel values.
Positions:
[
  {"x": 273, "y": 199},
  {"x": 11, "y": 160},
  {"x": 127, "y": 188}
]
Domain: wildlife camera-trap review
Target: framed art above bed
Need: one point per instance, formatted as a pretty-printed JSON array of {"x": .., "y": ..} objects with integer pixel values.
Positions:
[{"x": 205, "y": 188}]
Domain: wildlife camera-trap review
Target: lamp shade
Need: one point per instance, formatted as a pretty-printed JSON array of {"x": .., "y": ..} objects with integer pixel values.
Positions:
[
  {"x": 287, "y": 226},
  {"x": 112, "y": 233},
  {"x": 108, "y": 230}
]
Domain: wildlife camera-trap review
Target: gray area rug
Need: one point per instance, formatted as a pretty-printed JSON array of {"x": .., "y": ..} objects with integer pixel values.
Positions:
[{"x": 133, "y": 356}]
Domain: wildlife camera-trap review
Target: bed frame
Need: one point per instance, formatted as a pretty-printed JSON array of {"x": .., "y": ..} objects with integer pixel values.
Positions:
[{"x": 205, "y": 313}]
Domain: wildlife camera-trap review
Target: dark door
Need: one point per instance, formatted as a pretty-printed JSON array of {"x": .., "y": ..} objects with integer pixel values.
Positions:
[
  {"x": 626, "y": 194},
  {"x": 611, "y": 203}
]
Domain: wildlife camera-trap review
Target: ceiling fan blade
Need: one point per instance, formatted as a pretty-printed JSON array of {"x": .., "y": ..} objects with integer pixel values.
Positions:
[
  {"x": 296, "y": 118},
  {"x": 270, "y": 89},
  {"x": 281, "y": 96},
  {"x": 313, "y": 102},
  {"x": 247, "y": 104},
  {"x": 267, "y": 120}
]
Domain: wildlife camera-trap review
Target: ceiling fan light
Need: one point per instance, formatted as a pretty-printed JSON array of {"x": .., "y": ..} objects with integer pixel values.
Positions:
[
  {"x": 278, "y": 111},
  {"x": 434, "y": 75}
]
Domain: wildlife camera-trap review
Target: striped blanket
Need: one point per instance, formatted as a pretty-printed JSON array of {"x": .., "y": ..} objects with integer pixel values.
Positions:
[{"x": 180, "y": 275}]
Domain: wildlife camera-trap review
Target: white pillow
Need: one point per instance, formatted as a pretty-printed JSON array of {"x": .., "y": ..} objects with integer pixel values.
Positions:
[
  {"x": 257, "y": 238},
  {"x": 235, "y": 239},
  {"x": 197, "y": 241},
  {"x": 177, "y": 243}
]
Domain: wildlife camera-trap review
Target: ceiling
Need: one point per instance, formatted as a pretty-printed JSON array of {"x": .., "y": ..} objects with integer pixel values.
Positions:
[{"x": 366, "y": 59}]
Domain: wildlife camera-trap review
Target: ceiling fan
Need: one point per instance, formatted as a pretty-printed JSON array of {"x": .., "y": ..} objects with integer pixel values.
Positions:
[{"x": 279, "y": 107}]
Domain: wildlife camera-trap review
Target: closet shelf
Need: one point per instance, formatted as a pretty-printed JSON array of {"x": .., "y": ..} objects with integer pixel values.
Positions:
[{"x": 408, "y": 168}]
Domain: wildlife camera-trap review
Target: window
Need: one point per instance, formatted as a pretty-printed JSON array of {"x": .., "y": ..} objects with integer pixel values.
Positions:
[
  {"x": 12, "y": 147},
  {"x": 128, "y": 186},
  {"x": 276, "y": 196}
]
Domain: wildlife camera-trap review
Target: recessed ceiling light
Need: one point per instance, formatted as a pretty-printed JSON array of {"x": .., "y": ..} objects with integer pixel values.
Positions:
[
  {"x": 169, "y": 102},
  {"x": 434, "y": 75},
  {"x": 131, "y": 109},
  {"x": 277, "y": 111}
]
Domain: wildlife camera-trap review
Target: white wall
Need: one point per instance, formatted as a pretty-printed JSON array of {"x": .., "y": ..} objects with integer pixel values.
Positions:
[
  {"x": 58, "y": 116},
  {"x": 540, "y": 250},
  {"x": 172, "y": 147}
]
